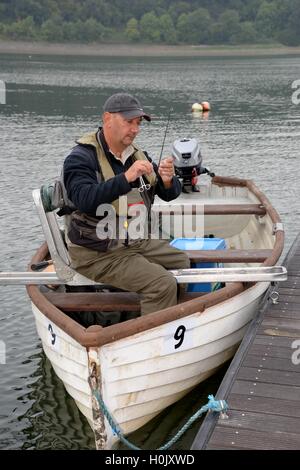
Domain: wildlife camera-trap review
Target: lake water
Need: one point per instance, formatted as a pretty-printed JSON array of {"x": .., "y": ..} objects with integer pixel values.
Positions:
[{"x": 253, "y": 131}]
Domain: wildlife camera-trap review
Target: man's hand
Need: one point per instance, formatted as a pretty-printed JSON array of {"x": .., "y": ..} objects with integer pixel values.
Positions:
[
  {"x": 139, "y": 168},
  {"x": 166, "y": 171}
]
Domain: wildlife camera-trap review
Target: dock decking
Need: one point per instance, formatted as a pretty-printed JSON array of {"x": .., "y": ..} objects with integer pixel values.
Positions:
[{"x": 262, "y": 384}]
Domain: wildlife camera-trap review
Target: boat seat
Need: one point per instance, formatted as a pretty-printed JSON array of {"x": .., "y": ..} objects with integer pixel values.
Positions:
[
  {"x": 228, "y": 256},
  {"x": 219, "y": 209},
  {"x": 231, "y": 209},
  {"x": 56, "y": 245},
  {"x": 103, "y": 301}
]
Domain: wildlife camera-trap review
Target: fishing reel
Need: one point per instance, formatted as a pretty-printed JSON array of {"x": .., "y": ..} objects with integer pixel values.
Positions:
[{"x": 188, "y": 163}]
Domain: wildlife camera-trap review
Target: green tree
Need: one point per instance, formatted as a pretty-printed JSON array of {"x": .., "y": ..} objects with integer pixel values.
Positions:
[
  {"x": 194, "y": 27},
  {"x": 236, "y": 5},
  {"x": 2, "y": 12},
  {"x": 266, "y": 18},
  {"x": 70, "y": 32},
  {"x": 93, "y": 30},
  {"x": 289, "y": 37},
  {"x": 150, "y": 27},
  {"x": 246, "y": 35},
  {"x": 290, "y": 32},
  {"x": 294, "y": 20},
  {"x": 52, "y": 29},
  {"x": 22, "y": 29},
  {"x": 283, "y": 11},
  {"x": 25, "y": 8},
  {"x": 132, "y": 30},
  {"x": 202, "y": 19},
  {"x": 249, "y": 9},
  {"x": 167, "y": 28},
  {"x": 230, "y": 24},
  {"x": 183, "y": 27},
  {"x": 112, "y": 16},
  {"x": 2, "y": 30},
  {"x": 197, "y": 21},
  {"x": 98, "y": 9},
  {"x": 176, "y": 9},
  {"x": 69, "y": 10}
]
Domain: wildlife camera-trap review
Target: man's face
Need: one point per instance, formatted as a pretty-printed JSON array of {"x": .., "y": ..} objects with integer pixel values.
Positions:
[{"x": 122, "y": 131}]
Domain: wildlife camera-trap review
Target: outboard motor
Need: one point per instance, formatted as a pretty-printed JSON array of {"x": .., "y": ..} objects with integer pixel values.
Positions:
[{"x": 188, "y": 162}]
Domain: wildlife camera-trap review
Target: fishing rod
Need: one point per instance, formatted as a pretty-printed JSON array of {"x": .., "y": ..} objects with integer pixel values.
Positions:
[
  {"x": 146, "y": 186},
  {"x": 164, "y": 140}
]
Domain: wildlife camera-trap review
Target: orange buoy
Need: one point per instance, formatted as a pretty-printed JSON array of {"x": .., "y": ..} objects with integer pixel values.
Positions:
[{"x": 205, "y": 106}]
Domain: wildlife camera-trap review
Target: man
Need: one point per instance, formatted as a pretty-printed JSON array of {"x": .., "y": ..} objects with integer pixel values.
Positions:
[{"x": 102, "y": 171}]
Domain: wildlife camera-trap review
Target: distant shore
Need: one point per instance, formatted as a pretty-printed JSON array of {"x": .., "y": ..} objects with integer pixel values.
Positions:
[{"x": 140, "y": 50}]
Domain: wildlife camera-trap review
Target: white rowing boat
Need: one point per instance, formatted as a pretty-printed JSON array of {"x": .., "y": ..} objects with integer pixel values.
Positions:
[{"x": 142, "y": 365}]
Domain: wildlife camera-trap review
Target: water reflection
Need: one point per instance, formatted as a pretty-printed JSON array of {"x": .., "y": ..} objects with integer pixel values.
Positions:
[{"x": 54, "y": 419}]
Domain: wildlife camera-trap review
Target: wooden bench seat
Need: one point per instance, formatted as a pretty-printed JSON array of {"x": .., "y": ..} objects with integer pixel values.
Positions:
[
  {"x": 228, "y": 256},
  {"x": 102, "y": 301},
  {"x": 231, "y": 209},
  {"x": 217, "y": 209}
]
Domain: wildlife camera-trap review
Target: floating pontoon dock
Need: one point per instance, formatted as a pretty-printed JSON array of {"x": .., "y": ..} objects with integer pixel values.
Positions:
[{"x": 262, "y": 384}]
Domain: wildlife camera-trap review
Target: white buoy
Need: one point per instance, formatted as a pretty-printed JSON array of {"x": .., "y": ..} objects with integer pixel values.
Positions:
[{"x": 197, "y": 107}]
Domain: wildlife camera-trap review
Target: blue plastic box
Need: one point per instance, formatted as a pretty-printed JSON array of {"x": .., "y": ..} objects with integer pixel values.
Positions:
[{"x": 200, "y": 244}]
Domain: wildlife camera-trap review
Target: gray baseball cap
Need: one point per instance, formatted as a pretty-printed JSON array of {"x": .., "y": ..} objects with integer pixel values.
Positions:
[{"x": 125, "y": 104}]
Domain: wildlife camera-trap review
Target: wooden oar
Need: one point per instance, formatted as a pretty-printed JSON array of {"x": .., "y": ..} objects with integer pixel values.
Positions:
[{"x": 252, "y": 274}]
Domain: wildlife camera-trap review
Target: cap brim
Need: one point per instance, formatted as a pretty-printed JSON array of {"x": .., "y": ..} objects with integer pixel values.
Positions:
[{"x": 135, "y": 113}]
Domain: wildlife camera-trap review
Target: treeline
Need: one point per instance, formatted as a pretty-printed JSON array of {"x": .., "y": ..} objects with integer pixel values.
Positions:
[{"x": 152, "y": 21}]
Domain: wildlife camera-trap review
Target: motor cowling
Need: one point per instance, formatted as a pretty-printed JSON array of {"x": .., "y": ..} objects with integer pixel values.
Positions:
[{"x": 187, "y": 160}]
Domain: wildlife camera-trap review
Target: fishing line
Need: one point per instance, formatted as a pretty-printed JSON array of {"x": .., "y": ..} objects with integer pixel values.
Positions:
[
  {"x": 161, "y": 152},
  {"x": 166, "y": 131}
]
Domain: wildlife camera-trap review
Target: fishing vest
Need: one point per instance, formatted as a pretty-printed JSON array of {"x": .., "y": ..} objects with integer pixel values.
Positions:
[
  {"x": 106, "y": 173},
  {"x": 83, "y": 227}
]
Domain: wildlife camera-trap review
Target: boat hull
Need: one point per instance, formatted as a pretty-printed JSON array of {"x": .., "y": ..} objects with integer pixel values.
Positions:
[{"x": 144, "y": 373}]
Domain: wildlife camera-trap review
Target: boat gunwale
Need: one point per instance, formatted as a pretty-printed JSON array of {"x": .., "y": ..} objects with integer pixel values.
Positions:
[{"x": 97, "y": 336}]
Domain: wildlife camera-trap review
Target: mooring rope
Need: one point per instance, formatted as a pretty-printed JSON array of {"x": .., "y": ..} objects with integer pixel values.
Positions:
[{"x": 219, "y": 406}]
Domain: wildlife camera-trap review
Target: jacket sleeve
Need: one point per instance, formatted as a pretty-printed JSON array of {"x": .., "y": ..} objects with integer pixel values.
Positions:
[
  {"x": 82, "y": 184},
  {"x": 167, "y": 194}
]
